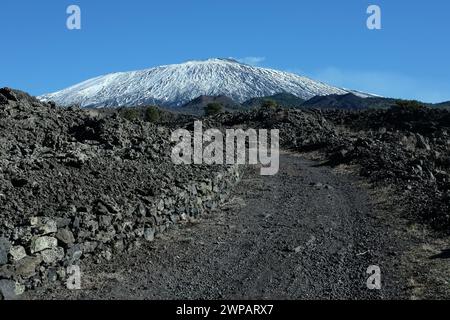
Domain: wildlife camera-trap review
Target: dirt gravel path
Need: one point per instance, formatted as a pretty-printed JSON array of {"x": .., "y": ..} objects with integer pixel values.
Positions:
[{"x": 306, "y": 233}]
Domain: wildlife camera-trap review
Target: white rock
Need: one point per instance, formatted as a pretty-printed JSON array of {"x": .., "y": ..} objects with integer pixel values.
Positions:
[
  {"x": 17, "y": 253},
  {"x": 41, "y": 243}
]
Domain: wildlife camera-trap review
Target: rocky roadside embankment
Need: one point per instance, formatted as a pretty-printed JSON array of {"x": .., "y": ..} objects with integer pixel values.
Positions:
[
  {"x": 73, "y": 186},
  {"x": 405, "y": 148}
]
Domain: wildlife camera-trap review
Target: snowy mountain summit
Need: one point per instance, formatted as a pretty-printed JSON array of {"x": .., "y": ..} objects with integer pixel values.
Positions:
[{"x": 175, "y": 85}]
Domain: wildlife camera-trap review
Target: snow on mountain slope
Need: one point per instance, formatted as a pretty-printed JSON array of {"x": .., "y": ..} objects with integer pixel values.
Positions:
[{"x": 175, "y": 85}]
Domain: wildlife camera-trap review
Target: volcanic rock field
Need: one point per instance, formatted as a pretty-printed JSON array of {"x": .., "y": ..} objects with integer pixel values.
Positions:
[{"x": 76, "y": 185}]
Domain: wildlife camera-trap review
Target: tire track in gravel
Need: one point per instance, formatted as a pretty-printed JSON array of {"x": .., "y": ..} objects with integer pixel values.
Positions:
[{"x": 306, "y": 233}]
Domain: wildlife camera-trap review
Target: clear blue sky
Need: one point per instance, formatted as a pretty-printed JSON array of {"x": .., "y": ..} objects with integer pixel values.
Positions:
[{"x": 323, "y": 39}]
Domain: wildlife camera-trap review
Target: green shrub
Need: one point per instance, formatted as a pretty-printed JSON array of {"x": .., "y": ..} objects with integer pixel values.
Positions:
[
  {"x": 130, "y": 114},
  {"x": 408, "y": 104},
  {"x": 152, "y": 114},
  {"x": 269, "y": 104},
  {"x": 213, "y": 108}
]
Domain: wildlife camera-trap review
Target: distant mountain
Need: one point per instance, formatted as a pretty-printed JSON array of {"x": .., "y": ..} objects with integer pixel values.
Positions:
[
  {"x": 285, "y": 100},
  {"x": 443, "y": 104},
  {"x": 176, "y": 85},
  {"x": 348, "y": 101},
  {"x": 198, "y": 105}
]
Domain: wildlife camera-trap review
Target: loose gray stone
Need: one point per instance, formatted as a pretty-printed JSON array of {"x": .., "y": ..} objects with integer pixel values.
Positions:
[
  {"x": 422, "y": 143},
  {"x": 42, "y": 243},
  {"x": 17, "y": 253},
  {"x": 48, "y": 227},
  {"x": 119, "y": 246},
  {"x": 105, "y": 221},
  {"x": 62, "y": 222},
  {"x": 51, "y": 256},
  {"x": 149, "y": 234},
  {"x": 74, "y": 254},
  {"x": 3, "y": 99},
  {"x": 34, "y": 221},
  {"x": 52, "y": 275},
  {"x": 8, "y": 289},
  {"x": 20, "y": 289},
  {"x": 65, "y": 236},
  {"x": 90, "y": 246},
  {"x": 61, "y": 272},
  {"x": 27, "y": 266},
  {"x": 7, "y": 271},
  {"x": 107, "y": 255},
  {"x": 44, "y": 225},
  {"x": 5, "y": 246}
]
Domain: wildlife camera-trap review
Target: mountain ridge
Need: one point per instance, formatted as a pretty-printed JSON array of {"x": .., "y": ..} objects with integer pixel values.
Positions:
[
  {"x": 197, "y": 105},
  {"x": 177, "y": 84},
  {"x": 286, "y": 100},
  {"x": 348, "y": 101}
]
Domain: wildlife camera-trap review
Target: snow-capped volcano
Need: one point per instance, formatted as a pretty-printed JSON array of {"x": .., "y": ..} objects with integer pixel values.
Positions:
[{"x": 175, "y": 85}]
